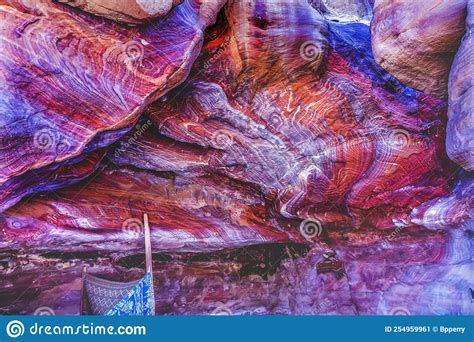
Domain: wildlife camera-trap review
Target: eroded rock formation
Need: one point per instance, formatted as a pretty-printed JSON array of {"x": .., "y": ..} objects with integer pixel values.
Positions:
[
  {"x": 416, "y": 40},
  {"x": 187, "y": 215},
  {"x": 345, "y": 10},
  {"x": 129, "y": 12},
  {"x": 72, "y": 83},
  {"x": 460, "y": 131},
  {"x": 330, "y": 144},
  {"x": 283, "y": 170}
]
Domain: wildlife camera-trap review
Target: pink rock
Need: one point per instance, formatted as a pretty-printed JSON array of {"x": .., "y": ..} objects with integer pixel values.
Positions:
[
  {"x": 448, "y": 212},
  {"x": 460, "y": 131},
  {"x": 289, "y": 174},
  {"x": 337, "y": 144},
  {"x": 73, "y": 83},
  {"x": 104, "y": 213},
  {"x": 416, "y": 40},
  {"x": 345, "y": 10},
  {"x": 129, "y": 12}
]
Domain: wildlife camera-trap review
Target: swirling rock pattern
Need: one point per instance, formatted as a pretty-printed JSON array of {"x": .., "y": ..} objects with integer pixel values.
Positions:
[
  {"x": 129, "y": 12},
  {"x": 71, "y": 83},
  {"x": 287, "y": 174},
  {"x": 187, "y": 215},
  {"x": 329, "y": 148},
  {"x": 416, "y": 40},
  {"x": 460, "y": 131},
  {"x": 50, "y": 178},
  {"x": 450, "y": 211}
]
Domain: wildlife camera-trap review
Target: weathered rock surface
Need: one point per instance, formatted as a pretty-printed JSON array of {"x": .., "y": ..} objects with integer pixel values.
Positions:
[
  {"x": 129, "y": 11},
  {"x": 72, "y": 83},
  {"x": 186, "y": 215},
  {"x": 460, "y": 131},
  {"x": 345, "y": 10},
  {"x": 402, "y": 274},
  {"x": 416, "y": 41},
  {"x": 328, "y": 142},
  {"x": 288, "y": 174},
  {"x": 449, "y": 212},
  {"x": 50, "y": 178}
]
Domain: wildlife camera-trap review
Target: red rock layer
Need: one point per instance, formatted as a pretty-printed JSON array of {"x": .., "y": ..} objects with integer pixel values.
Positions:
[
  {"x": 105, "y": 212},
  {"x": 72, "y": 83},
  {"x": 288, "y": 175},
  {"x": 328, "y": 142}
]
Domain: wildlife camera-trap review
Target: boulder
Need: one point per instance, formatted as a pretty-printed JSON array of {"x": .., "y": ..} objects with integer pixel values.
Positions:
[
  {"x": 416, "y": 41},
  {"x": 130, "y": 12},
  {"x": 460, "y": 131}
]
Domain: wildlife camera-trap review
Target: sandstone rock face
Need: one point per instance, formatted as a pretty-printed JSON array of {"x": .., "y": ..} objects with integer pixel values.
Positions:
[
  {"x": 73, "y": 84},
  {"x": 410, "y": 275},
  {"x": 416, "y": 40},
  {"x": 129, "y": 11},
  {"x": 460, "y": 131},
  {"x": 322, "y": 148},
  {"x": 345, "y": 10},
  {"x": 195, "y": 215},
  {"x": 283, "y": 170}
]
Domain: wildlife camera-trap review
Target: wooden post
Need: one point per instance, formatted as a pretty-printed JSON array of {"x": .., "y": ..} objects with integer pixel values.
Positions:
[
  {"x": 148, "y": 254},
  {"x": 149, "y": 259},
  {"x": 83, "y": 290}
]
